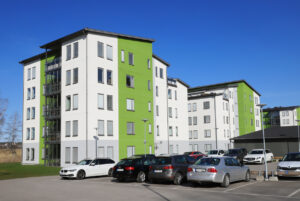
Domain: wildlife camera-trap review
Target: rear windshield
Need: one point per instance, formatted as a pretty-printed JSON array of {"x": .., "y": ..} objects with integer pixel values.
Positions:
[
  {"x": 208, "y": 161},
  {"x": 162, "y": 160},
  {"x": 125, "y": 162},
  {"x": 256, "y": 152},
  {"x": 213, "y": 152},
  {"x": 292, "y": 157},
  {"x": 233, "y": 151}
]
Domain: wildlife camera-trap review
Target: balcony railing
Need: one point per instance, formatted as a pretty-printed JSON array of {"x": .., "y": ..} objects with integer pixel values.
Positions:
[
  {"x": 51, "y": 89},
  {"x": 50, "y": 112},
  {"x": 53, "y": 65}
]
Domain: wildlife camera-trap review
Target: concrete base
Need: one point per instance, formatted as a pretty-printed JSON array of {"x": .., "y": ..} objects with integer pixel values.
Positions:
[
  {"x": 260, "y": 178},
  {"x": 273, "y": 178}
]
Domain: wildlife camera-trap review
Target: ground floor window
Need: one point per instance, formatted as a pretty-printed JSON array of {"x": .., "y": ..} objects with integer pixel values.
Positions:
[
  {"x": 75, "y": 155},
  {"x": 207, "y": 147},
  {"x": 110, "y": 152},
  {"x": 101, "y": 152},
  {"x": 68, "y": 155},
  {"x": 32, "y": 154},
  {"x": 27, "y": 154},
  {"x": 130, "y": 151}
]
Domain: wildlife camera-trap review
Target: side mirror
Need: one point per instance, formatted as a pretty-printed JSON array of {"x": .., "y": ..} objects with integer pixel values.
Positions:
[{"x": 92, "y": 164}]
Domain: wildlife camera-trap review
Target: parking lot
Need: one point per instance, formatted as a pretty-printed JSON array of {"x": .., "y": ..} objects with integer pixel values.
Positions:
[{"x": 106, "y": 188}]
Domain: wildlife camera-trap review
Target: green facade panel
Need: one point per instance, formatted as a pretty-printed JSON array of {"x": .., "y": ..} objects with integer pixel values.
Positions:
[
  {"x": 298, "y": 114},
  {"x": 142, "y": 51}
]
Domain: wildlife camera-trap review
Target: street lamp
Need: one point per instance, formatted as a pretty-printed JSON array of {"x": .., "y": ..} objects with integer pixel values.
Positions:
[
  {"x": 145, "y": 120},
  {"x": 96, "y": 139},
  {"x": 298, "y": 120},
  {"x": 264, "y": 141}
]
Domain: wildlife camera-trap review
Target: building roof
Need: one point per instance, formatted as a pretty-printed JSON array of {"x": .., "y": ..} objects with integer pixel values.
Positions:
[
  {"x": 171, "y": 80},
  {"x": 161, "y": 60},
  {"x": 36, "y": 57},
  {"x": 182, "y": 82},
  {"x": 94, "y": 31},
  {"x": 280, "y": 108},
  {"x": 221, "y": 85},
  {"x": 275, "y": 132}
]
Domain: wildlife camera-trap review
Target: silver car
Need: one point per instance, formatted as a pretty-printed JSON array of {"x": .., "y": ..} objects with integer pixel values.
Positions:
[{"x": 223, "y": 170}]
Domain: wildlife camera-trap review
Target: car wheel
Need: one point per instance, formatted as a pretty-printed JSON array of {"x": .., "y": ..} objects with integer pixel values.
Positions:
[
  {"x": 110, "y": 172},
  {"x": 226, "y": 181},
  {"x": 81, "y": 174},
  {"x": 141, "y": 177},
  {"x": 178, "y": 178},
  {"x": 247, "y": 176}
]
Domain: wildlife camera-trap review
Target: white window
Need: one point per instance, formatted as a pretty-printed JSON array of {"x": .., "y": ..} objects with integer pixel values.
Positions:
[
  {"x": 206, "y": 119},
  {"x": 287, "y": 121},
  {"x": 130, "y": 104},
  {"x": 191, "y": 147},
  {"x": 28, "y": 114},
  {"x": 130, "y": 151},
  {"x": 150, "y": 149},
  {"x": 29, "y": 74},
  {"x": 109, "y": 102},
  {"x": 190, "y": 134},
  {"x": 110, "y": 128},
  {"x": 33, "y": 113},
  {"x": 75, "y": 155},
  {"x": 68, "y": 128},
  {"x": 206, "y": 105},
  {"x": 283, "y": 113},
  {"x": 176, "y": 113},
  {"x": 171, "y": 149},
  {"x": 68, "y": 155},
  {"x": 157, "y": 130},
  {"x": 33, "y": 93},
  {"x": 131, "y": 58},
  {"x": 195, "y": 147},
  {"x": 194, "y": 107},
  {"x": 32, "y": 133},
  {"x": 195, "y": 134},
  {"x": 251, "y": 110},
  {"x": 129, "y": 81},
  {"x": 150, "y": 128},
  {"x": 149, "y": 85},
  {"x": 207, "y": 147},
  {"x": 75, "y": 50},
  {"x": 256, "y": 100},
  {"x": 28, "y": 134},
  {"x": 157, "y": 110},
  {"x": 169, "y": 93},
  {"x": 68, "y": 77},
  {"x": 27, "y": 153},
  {"x": 110, "y": 152},
  {"x": 195, "y": 121},
  {"x": 287, "y": 113},
  {"x": 189, "y": 107},
  {"x": 100, "y": 49},
  {"x": 32, "y": 154},
  {"x": 33, "y": 72},
  {"x": 100, "y": 101},
  {"x": 130, "y": 128},
  {"x": 122, "y": 56},
  {"x": 75, "y": 128},
  {"x": 109, "y": 52},
  {"x": 170, "y": 131},
  {"x": 75, "y": 101},
  {"x": 148, "y": 64},
  {"x": 100, "y": 128},
  {"x": 207, "y": 133},
  {"x": 68, "y": 103},
  {"x": 68, "y": 56},
  {"x": 28, "y": 93},
  {"x": 101, "y": 152},
  {"x": 176, "y": 130},
  {"x": 156, "y": 90},
  {"x": 190, "y": 121},
  {"x": 149, "y": 106}
]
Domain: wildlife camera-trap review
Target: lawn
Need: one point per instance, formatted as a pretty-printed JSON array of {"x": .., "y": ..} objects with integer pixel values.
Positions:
[{"x": 16, "y": 170}]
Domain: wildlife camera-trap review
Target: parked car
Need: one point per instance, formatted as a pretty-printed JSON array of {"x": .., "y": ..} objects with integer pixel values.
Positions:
[
  {"x": 133, "y": 168},
  {"x": 169, "y": 168},
  {"x": 223, "y": 170},
  {"x": 289, "y": 166},
  {"x": 257, "y": 156},
  {"x": 238, "y": 153},
  {"x": 216, "y": 152},
  {"x": 88, "y": 168},
  {"x": 195, "y": 154}
]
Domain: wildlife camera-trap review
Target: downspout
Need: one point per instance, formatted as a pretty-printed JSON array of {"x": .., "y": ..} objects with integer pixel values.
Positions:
[
  {"x": 216, "y": 129},
  {"x": 45, "y": 136},
  {"x": 168, "y": 114},
  {"x": 86, "y": 95}
]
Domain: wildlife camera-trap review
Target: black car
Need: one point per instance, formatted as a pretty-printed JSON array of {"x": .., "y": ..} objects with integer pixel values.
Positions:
[
  {"x": 133, "y": 168},
  {"x": 169, "y": 168},
  {"x": 238, "y": 153}
]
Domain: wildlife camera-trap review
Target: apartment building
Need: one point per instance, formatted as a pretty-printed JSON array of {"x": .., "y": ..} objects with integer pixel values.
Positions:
[
  {"x": 96, "y": 87},
  {"x": 219, "y": 112},
  {"x": 281, "y": 116}
]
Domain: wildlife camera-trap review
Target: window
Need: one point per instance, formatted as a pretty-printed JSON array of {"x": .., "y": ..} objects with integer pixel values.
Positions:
[
  {"x": 131, "y": 58},
  {"x": 250, "y": 97},
  {"x": 130, "y": 151},
  {"x": 32, "y": 133},
  {"x": 156, "y": 73},
  {"x": 75, "y": 128},
  {"x": 169, "y": 93},
  {"x": 194, "y": 107},
  {"x": 122, "y": 56},
  {"x": 100, "y": 75},
  {"x": 109, "y": 77},
  {"x": 196, "y": 147},
  {"x": 156, "y": 90},
  {"x": 101, "y": 154},
  {"x": 195, "y": 134},
  {"x": 68, "y": 52},
  {"x": 251, "y": 110},
  {"x": 100, "y": 128},
  {"x": 157, "y": 130},
  {"x": 129, "y": 81},
  {"x": 28, "y": 134},
  {"x": 206, "y": 105},
  {"x": 150, "y": 128},
  {"x": 206, "y": 119},
  {"x": 148, "y": 64},
  {"x": 68, "y": 128},
  {"x": 100, "y": 49},
  {"x": 33, "y": 93},
  {"x": 29, "y": 74},
  {"x": 190, "y": 121},
  {"x": 68, "y": 103},
  {"x": 287, "y": 113},
  {"x": 75, "y": 101},
  {"x": 68, "y": 77},
  {"x": 207, "y": 133},
  {"x": 75, "y": 155},
  {"x": 100, "y": 101},
  {"x": 175, "y": 94},
  {"x": 170, "y": 131},
  {"x": 170, "y": 112},
  {"x": 171, "y": 149},
  {"x": 28, "y": 93},
  {"x": 32, "y": 154},
  {"x": 33, "y": 113},
  {"x": 150, "y": 149},
  {"x": 161, "y": 73},
  {"x": 283, "y": 113},
  {"x": 176, "y": 113},
  {"x": 68, "y": 155},
  {"x": 207, "y": 147},
  {"x": 28, "y": 114},
  {"x": 109, "y": 52},
  {"x": 27, "y": 153},
  {"x": 195, "y": 121},
  {"x": 157, "y": 110},
  {"x": 190, "y": 134},
  {"x": 256, "y": 100},
  {"x": 109, "y": 102},
  {"x": 75, "y": 75},
  {"x": 110, "y": 152},
  {"x": 227, "y": 120},
  {"x": 110, "y": 128},
  {"x": 149, "y": 85},
  {"x": 189, "y": 107},
  {"x": 176, "y": 130},
  {"x": 149, "y": 106},
  {"x": 226, "y": 106},
  {"x": 33, "y": 72},
  {"x": 130, "y": 128},
  {"x": 75, "y": 50},
  {"x": 130, "y": 104}
]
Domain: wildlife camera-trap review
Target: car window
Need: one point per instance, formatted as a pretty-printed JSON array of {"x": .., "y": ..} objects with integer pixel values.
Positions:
[
  {"x": 125, "y": 162},
  {"x": 228, "y": 162},
  {"x": 208, "y": 161},
  {"x": 109, "y": 161},
  {"x": 292, "y": 157},
  {"x": 162, "y": 160},
  {"x": 97, "y": 162},
  {"x": 138, "y": 162},
  {"x": 235, "y": 162},
  {"x": 180, "y": 160}
]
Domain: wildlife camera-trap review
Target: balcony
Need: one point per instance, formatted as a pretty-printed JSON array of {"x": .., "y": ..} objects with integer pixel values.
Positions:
[
  {"x": 55, "y": 64},
  {"x": 51, "y": 89},
  {"x": 51, "y": 112}
]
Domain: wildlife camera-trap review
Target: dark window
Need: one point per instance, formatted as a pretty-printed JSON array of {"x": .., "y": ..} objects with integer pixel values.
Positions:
[
  {"x": 75, "y": 50},
  {"x": 68, "y": 52},
  {"x": 162, "y": 160},
  {"x": 180, "y": 160},
  {"x": 109, "y": 77},
  {"x": 100, "y": 75},
  {"x": 208, "y": 161},
  {"x": 109, "y": 102},
  {"x": 131, "y": 58},
  {"x": 129, "y": 81},
  {"x": 100, "y": 50},
  {"x": 75, "y": 75}
]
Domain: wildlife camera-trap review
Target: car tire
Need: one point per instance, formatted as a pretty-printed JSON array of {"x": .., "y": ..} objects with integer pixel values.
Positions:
[
  {"x": 247, "y": 176},
  {"x": 178, "y": 178},
  {"x": 110, "y": 172},
  {"x": 141, "y": 177},
  {"x": 226, "y": 181},
  {"x": 80, "y": 175}
]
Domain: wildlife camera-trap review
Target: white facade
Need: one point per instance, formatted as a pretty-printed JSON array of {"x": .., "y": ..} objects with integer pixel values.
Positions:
[{"x": 288, "y": 117}]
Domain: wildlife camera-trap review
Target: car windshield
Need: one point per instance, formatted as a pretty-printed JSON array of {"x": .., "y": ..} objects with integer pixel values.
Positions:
[
  {"x": 85, "y": 162},
  {"x": 208, "y": 161},
  {"x": 125, "y": 162},
  {"x": 292, "y": 157},
  {"x": 233, "y": 151},
  {"x": 256, "y": 152},
  {"x": 162, "y": 160},
  {"x": 213, "y": 152}
]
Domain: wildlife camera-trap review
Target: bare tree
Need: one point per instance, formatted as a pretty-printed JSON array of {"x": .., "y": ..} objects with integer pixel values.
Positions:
[
  {"x": 3, "y": 107},
  {"x": 12, "y": 131}
]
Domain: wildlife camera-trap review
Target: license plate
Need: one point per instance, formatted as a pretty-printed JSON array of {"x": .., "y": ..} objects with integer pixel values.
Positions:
[
  {"x": 120, "y": 170},
  {"x": 158, "y": 171},
  {"x": 200, "y": 170}
]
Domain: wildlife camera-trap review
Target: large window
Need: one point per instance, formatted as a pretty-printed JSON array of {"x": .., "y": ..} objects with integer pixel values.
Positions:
[
  {"x": 28, "y": 93},
  {"x": 110, "y": 128},
  {"x": 207, "y": 133},
  {"x": 29, "y": 74},
  {"x": 75, "y": 155},
  {"x": 75, "y": 75},
  {"x": 207, "y": 147},
  {"x": 75, "y": 50},
  {"x": 206, "y": 119},
  {"x": 169, "y": 93},
  {"x": 33, "y": 93},
  {"x": 130, "y": 128},
  {"x": 100, "y": 128},
  {"x": 75, "y": 101},
  {"x": 75, "y": 128},
  {"x": 195, "y": 134},
  {"x": 190, "y": 121},
  {"x": 100, "y": 101},
  {"x": 68, "y": 56},
  {"x": 206, "y": 105},
  {"x": 68, "y": 77},
  {"x": 195, "y": 122},
  {"x": 170, "y": 131},
  {"x": 100, "y": 50},
  {"x": 33, "y": 72},
  {"x": 131, "y": 58},
  {"x": 130, "y": 104},
  {"x": 33, "y": 113},
  {"x": 68, "y": 155},
  {"x": 161, "y": 73},
  {"x": 109, "y": 102},
  {"x": 68, "y": 103},
  {"x": 129, "y": 81},
  {"x": 109, "y": 52},
  {"x": 100, "y": 75},
  {"x": 194, "y": 107},
  {"x": 109, "y": 77},
  {"x": 101, "y": 153},
  {"x": 110, "y": 152},
  {"x": 68, "y": 128}
]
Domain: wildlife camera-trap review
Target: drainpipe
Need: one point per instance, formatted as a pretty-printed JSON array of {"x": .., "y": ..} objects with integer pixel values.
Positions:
[
  {"x": 216, "y": 128},
  {"x": 86, "y": 95}
]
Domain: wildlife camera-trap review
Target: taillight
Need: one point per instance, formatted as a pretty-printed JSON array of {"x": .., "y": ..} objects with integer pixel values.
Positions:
[
  {"x": 115, "y": 167},
  {"x": 150, "y": 167},
  {"x": 212, "y": 170},
  {"x": 190, "y": 169},
  {"x": 169, "y": 167},
  {"x": 129, "y": 168}
]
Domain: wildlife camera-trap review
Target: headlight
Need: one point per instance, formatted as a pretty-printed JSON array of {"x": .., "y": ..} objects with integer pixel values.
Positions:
[
  {"x": 258, "y": 157},
  {"x": 72, "y": 170}
]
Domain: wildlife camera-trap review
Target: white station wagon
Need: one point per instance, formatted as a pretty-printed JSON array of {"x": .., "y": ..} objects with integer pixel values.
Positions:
[
  {"x": 257, "y": 156},
  {"x": 88, "y": 168}
]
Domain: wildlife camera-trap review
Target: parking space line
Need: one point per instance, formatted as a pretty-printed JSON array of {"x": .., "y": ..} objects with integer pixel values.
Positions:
[
  {"x": 251, "y": 183},
  {"x": 294, "y": 193}
]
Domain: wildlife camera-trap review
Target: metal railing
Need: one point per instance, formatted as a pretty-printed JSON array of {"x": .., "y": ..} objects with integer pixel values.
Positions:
[
  {"x": 50, "y": 112},
  {"x": 51, "y": 89},
  {"x": 53, "y": 65}
]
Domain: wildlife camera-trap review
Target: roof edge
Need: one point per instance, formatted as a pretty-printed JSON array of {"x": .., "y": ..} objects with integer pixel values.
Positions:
[{"x": 160, "y": 59}]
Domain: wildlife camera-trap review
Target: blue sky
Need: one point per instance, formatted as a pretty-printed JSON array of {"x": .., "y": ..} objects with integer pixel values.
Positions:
[{"x": 206, "y": 42}]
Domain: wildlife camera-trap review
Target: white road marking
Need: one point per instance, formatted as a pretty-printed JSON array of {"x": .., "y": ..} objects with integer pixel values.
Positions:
[
  {"x": 251, "y": 183},
  {"x": 294, "y": 193}
]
